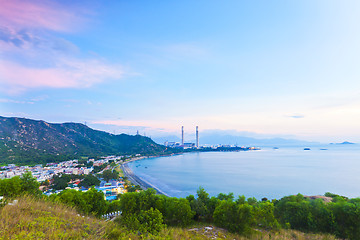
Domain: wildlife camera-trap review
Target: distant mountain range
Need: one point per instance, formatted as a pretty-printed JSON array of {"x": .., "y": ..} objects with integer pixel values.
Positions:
[
  {"x": 29, "y": 141},
  {"x": 224, "y": 138}
]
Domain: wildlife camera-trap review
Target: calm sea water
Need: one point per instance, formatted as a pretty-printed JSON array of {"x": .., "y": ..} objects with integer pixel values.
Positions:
[{"x": 266, "y": 173}]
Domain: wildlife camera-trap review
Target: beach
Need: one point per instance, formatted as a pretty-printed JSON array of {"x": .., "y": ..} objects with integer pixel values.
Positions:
[{"x": 137, "y": 180}]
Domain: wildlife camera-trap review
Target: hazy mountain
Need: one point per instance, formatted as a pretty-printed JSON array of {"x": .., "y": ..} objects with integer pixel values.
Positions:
[
  {"x": 224, "y": 137},
  {"x": 31, "y": 141},
  {"x": 170, "y": 138}
]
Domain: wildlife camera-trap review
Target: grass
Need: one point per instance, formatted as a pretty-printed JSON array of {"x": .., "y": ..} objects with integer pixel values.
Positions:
[{"x": 39, "y": 219}]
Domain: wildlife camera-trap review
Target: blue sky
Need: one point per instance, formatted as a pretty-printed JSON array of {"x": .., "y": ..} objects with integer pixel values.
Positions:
[{"x": 273, "y": 68}]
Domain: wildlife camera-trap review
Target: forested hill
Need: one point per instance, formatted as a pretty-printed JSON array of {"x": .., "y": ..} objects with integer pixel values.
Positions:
[{"x": 29, "y": 141}]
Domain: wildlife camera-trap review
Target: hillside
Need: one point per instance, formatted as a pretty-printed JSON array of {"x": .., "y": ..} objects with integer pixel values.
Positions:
[
  {"x": 31, "y": 141},
  {"x": 40, "y": 219}
]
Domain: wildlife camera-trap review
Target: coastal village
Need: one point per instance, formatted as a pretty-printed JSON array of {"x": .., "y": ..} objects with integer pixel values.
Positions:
[{"x": 45, "y": 174}]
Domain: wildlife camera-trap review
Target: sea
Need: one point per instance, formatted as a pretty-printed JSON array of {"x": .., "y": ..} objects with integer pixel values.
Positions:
[{"x": 271, "y": 173}]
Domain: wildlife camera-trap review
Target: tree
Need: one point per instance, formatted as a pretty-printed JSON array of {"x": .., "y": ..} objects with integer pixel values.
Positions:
[
  {"x": 96, "y": 202},
  {"x": 114, "y": 206},
  {"x": 61, "y": 181},
  {"x": 29, "y": 184},
  {"x": 10, "y": 187},
  {"x": 234, "y": 217},
  {"x": 200, "y": 205},
  {"x": 108, "y": 175},
  {"x": 151, "y": 221},
  {"x": 89, "y": 180},
  {"x": 90, "y": 202},
  {"x": 222, "y": 196},
  {"x": 74, "y": 199},
  {"x": 133, "y": 188},
  {"x": 176, "y": 211},
  {"x": 264, "y": 215}
]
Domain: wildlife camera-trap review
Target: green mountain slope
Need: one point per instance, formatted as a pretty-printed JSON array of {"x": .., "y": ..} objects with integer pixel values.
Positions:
[{"x": 30, "y": 141}]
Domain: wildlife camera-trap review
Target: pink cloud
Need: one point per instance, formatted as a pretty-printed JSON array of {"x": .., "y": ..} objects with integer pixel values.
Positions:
[
  {"x": 37, "y": 14},
  {"x": 16, "y": 78},
  {"x": 33, "y": 57}
]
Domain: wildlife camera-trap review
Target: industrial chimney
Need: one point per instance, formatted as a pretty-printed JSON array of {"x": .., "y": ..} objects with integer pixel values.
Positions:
[
  {"x": 197, "y": 136},
  {"x": 182, "y": 135}
]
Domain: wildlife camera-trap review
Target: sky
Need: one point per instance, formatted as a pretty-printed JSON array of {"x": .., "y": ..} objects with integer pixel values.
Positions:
[{"x": 271, "y": 68}]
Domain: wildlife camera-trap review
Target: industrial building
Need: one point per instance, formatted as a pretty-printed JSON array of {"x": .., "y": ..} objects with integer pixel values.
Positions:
[{"x": 183, "y": 144}]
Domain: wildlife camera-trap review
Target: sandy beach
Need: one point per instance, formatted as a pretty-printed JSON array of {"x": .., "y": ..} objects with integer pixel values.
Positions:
[{"x": 137, "y": 180}]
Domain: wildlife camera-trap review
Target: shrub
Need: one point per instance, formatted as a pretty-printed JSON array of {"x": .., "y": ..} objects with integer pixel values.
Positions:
[
  {"x": 234, "y": 217},
  {"x": 148, "y": 221}
]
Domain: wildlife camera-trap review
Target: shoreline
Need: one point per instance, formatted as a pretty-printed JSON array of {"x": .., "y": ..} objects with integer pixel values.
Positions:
[{"x": 137, "y": 180}]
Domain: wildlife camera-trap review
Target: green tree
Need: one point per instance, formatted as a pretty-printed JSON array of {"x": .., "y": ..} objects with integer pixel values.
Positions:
[
  {"x": 89, "y": 180},
  {"x": 296, "y": 211},
  {"x": 176, "y": 211},
  {"x": 74, "y": 199},
  {"x": 234, "y": 217},
  {"x": 11, "y": 187},
  {"x": 61, "y": 181},
  {"x": 264, "y": 216},
  {"x": 89, "y": 202},
  {"x": 114, "y": 206},
  {"x": 108, "y": 175},
  {"x": 29, "y": 184},
  {"x": 129, "y": 203},
  {"x": 133, "y": 188},
  {"x": 96, "y": 202},
  {"x": 222, "y": 196},
  {"x": 200, "y": 205},
  {"x": 347, "y": 218},
  {"x": 151, "y": 221}
]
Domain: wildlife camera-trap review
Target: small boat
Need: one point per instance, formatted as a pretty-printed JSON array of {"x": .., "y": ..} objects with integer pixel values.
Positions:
[
  {"x": 307, "y": 149},
  {"x": 275, "y": 148}
]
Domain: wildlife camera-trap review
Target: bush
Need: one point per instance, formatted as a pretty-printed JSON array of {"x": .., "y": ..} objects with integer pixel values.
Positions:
[
  {"x": 90, "y": 202},
  {"x": 264, "y": 216},
  {"x": 234, "y": 217},
  {"x": 16, "y": 186},
  {"x": 176, "y": 211},
  {"x": 151, "y": 221},
  {"x": 148, "y": 221}
]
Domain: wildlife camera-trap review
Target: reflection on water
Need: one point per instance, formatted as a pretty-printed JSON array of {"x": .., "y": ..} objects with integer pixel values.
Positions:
[{"x": 271, "y": 173}]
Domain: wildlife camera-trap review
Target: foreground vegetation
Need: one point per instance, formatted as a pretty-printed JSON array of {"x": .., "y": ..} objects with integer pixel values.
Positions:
[
  {"x": 73, "y": 214},
  {"x": 34, "y": 218}
]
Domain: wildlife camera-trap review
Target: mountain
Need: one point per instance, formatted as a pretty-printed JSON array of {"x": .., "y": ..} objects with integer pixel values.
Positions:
[
  {"x": 346, "y": 143},
  {"x": 29, "y": 141},
  {"x": 216, "y": 137}
]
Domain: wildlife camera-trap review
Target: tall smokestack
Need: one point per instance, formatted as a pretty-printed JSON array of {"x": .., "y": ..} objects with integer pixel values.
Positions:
[
  {"x": 182, "y": 135},
  {"x": 197, "y": 136}
]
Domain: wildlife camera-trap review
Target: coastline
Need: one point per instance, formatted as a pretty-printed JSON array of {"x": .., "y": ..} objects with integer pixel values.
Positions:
[{"x": 137, "y": 180}]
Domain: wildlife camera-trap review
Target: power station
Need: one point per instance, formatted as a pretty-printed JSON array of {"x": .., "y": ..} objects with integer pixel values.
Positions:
[
  {"x": 189, "y": 145},
  {"x": 184, "y": 144}
]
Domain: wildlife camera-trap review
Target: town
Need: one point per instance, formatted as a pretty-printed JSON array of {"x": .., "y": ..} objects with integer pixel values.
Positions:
[{"x": 77, "y": 169}]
